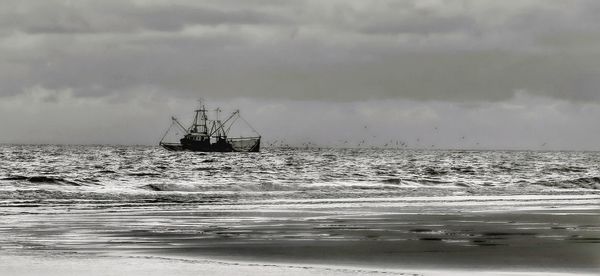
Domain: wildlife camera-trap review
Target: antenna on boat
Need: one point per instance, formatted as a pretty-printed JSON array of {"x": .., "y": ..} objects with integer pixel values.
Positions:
[{"x": 217, "y": 111}]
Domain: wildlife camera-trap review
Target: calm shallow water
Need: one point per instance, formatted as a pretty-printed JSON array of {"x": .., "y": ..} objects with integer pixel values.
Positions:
[{"x": 356, "y": 206}]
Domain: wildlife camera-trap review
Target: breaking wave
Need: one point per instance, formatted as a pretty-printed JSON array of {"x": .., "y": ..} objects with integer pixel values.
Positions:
[
  {"x": 566, "y": 169},
  {"x": 41, "y": 179},
  {"x": 592, "y": 183}
]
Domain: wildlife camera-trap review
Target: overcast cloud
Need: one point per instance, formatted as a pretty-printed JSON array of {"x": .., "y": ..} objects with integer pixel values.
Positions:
[{"x": 124, "y": 65}]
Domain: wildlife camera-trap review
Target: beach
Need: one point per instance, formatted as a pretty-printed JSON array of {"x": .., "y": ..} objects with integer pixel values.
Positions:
[{"x": 423, "y": 236}]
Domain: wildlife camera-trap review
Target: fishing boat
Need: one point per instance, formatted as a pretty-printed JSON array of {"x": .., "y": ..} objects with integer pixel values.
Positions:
[{"x": 206, "y": 135}]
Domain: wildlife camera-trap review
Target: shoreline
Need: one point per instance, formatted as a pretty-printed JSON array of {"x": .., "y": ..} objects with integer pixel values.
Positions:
[
  {"x": 546, "y": 236},
  {"x": 92, "y": 265}
]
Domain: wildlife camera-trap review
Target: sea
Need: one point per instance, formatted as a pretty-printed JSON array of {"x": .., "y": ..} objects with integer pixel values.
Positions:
[
  {"x": 51, "y": 176},
  {"x": 147, "y": 200}
]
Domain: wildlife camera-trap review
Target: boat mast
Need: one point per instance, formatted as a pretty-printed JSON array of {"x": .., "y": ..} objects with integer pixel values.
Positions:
[
  {"x": 218, "y": 124},
  {"x": 221, "y": 126},
  {"x": 200, "y": 119}
]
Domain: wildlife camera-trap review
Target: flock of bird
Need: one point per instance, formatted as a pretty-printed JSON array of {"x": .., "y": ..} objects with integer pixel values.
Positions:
[
  {"x": 392, "y": 143},
  {"x": 364, "y": 143}
]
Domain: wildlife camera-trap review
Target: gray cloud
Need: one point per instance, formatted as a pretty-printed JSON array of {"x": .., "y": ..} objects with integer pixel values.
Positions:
[
  {"x": 81, "y": 17},
  {"x": 460, "y": 53},
  {"x": 338, "y": 50}
]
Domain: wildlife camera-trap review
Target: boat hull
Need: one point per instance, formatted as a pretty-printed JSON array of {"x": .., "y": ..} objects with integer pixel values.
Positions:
[{"x": 251, "y": 144}]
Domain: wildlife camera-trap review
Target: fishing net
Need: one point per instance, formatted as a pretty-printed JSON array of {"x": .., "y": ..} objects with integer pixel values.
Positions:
[{"x": 244, "y": 144}]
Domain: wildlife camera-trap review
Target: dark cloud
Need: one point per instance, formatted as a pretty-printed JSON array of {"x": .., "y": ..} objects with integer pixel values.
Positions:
[
  {"x": 426, "y": 50},
  {"x": 460, "y": 53},
  {"x": 81, "y": 17}
]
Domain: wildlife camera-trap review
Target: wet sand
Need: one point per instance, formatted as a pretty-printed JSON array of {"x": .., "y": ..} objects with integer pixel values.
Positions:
[
  {"x": 148, "y": 266},
  {"x": 436, "y": 237}
]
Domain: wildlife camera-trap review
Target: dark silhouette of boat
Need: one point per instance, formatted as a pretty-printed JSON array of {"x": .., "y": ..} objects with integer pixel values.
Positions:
[{"x": 207, "y": 135}]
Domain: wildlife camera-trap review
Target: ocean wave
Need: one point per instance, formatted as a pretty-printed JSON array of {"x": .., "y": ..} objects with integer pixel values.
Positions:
[
  {"x": 41, "y": 179},
  {"x": 435, "y": 171},
  {"x": 392, "y": 181},
  {"x": 162, "y": 187},
  {"x": 592, "y": 183},
  {"x": 464, "y": 169},
  {"x": 44, "y": 196},
  {"x": 107, "y": 171},
  {"x": 231, "y": 187},
  {"x": 566, "y": 169},
  {"x": 15, "y": 178},
  {"x": 144, "y": 174}
]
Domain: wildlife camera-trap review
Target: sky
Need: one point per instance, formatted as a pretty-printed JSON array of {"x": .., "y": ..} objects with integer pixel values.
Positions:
[{"x": 465, "y": 74}]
